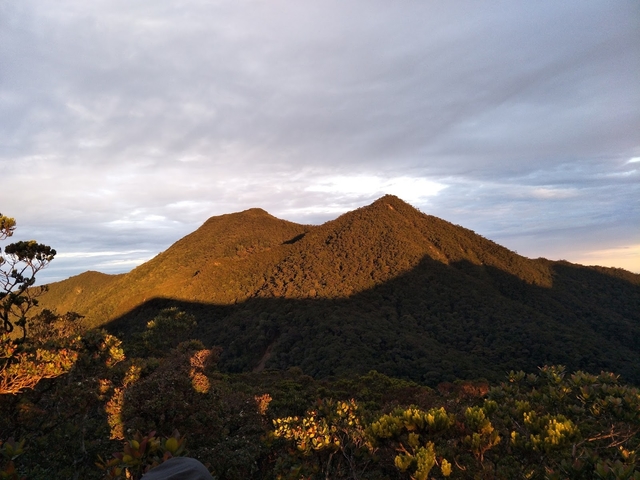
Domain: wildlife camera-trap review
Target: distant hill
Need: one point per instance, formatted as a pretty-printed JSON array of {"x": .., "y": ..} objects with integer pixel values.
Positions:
[{"x": 383, "y": 287}]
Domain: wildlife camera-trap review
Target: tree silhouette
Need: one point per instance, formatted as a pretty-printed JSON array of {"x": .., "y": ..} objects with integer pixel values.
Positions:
[
  {"x": 18, "y": 267},
  {"x": 23, "y": 365}
]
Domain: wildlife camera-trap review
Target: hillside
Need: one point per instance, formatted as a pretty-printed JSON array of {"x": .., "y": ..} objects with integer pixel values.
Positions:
[
  {"x": 383, "y": 287},
  {"x": 215, "y": 264}
]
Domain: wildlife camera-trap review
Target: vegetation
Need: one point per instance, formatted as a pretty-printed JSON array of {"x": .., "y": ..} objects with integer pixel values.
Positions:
[
  {"x": 140, "y": 454},
  {"x": 384, "y": 287},
  {"x": 273, "y": 424},
  {"x": 18, "y": 267},
  {"x": 374, "y": 346},
  {"x": 25, "y": 362}
]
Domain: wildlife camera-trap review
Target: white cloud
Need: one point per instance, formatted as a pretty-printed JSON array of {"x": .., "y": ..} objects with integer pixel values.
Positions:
[
  {"x": 408, "y": 188},
  {"x": 118, "y": 265},
  {"x": 99, "y": 254},
  {"x": 549, "y": 193}
]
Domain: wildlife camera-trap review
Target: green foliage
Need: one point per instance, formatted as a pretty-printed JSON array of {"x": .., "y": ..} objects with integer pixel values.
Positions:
[
  {"x": 483, "y": 436},
  {"x": 63, "y": 420},
  {"x": 166, "y": 330},
  {"x": 9, "y": 451},
  {"x": 7, "y": 226},
  {"x": 412, "y": 419},
  {"x": 18, "y": 267},
  {"x": 568, "y": 425},
  {"x": 534, "y": 426},
  {"x": 24, "y": 362},
  {"x": 140, "y": 454},
  {"x": 408, "y": 430},
  {"x": 330, "y": 439},
  {"x": 183, "y": 390},
  {"x": 271, "y": 425},
  {"x": 21, "y": 370},
  {"x": 422, "y": 457},
  {"x": 102, "y": 348}
]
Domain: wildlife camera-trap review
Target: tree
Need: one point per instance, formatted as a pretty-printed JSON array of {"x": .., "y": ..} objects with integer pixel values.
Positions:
[
  {"x": 18, "y": 267},
  {"x": 23, "y": 365}
]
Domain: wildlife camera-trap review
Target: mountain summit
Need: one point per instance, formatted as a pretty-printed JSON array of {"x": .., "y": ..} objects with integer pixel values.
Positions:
[{"x": 382, "y": 287}]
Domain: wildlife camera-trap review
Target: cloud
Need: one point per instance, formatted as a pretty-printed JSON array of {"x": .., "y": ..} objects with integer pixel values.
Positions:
[
  {"x": 97, "y": 254},
  {"x": 67, "y": 264},
  {"x": 129, "y": 124},
  {"x": 411, "y": 189}
]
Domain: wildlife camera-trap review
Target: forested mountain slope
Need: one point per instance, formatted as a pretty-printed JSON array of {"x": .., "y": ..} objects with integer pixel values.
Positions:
[
  {"x": 217, "y": 263},
  {"x": 383, "y": 287}
]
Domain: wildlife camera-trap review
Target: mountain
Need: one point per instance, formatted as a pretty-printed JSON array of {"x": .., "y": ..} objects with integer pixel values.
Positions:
[{"x": 383, "y": 287}]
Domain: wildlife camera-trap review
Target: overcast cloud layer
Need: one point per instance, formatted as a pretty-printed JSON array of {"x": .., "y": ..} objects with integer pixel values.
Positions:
[{"x": 124, "y": 125}]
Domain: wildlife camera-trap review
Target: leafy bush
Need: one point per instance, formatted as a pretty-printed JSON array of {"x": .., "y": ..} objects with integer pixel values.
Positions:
[
  {"x": 9, "y": 451},
  {"x": 140, "y": 454},
  {"x": 166, "y": 330},
  {"x": 330, "y": 438}
]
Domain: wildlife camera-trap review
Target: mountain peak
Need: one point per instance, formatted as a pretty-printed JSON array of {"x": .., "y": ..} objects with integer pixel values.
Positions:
[
  {"x": 253, "y": 212},
  {"x": 244, "y": 215},
  {"x": 384, "y": 286},
  {"x": 392, "y": 202}
]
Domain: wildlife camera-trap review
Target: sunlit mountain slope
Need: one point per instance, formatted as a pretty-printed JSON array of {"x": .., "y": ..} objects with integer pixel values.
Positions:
[{"x": 382, "y": 287}]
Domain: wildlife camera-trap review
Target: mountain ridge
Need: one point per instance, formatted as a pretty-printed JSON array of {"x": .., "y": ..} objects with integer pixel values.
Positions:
[
  {"x": 380, "y": 279},
  {"x": 238, "y": 236}
]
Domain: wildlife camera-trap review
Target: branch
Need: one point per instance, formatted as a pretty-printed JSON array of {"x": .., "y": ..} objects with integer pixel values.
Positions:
[
  {"x": 24, "y": 371},
  {"x": 21, "y": 262},
  {"x": 618, "y": 437},
  {"x": 7, "y": 226}
]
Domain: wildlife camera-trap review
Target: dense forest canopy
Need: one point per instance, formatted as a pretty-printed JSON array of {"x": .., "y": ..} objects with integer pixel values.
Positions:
[{"x": 383, "y": 287}]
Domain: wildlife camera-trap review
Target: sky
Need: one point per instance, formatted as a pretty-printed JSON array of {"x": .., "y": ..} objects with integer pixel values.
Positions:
[{"x": 125, "y": 125}]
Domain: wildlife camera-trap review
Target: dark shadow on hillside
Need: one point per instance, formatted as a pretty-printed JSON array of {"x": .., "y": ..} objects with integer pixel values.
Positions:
[
  {"x": 295, "y": 239},
  {"x": 434, "y": 323}
]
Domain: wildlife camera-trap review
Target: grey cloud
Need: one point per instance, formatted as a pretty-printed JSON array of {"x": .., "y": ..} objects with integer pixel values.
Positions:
[
  {"x": 125, "y": 120},
  {"x": 329, "y": 92}
]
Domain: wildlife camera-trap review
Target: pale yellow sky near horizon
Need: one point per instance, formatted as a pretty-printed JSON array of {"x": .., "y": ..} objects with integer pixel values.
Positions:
[{"x": 627, "y": 257}]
